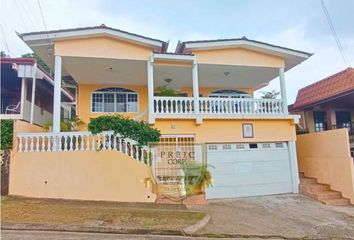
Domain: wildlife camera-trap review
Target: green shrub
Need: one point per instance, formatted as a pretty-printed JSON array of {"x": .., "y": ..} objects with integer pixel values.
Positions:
[
  {"x": 197, "y": 175},
  {"x": 128, "y": 128},
  {"x": 6, "y": 134},
  {"x": 66, "y": 125}
]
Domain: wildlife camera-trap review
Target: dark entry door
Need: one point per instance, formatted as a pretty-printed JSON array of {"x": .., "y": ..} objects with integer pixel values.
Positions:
[{"x": 344, "y": 120}]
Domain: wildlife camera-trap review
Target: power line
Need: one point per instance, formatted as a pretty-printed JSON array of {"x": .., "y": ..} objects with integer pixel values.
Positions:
[
  {"x": 20, "y": 13},
  {"x": 40, "y": 9},
  {"x": 29, "y": 14},
  {"x": 331, "y": 26},
  {"x": 4, "y": 37}
]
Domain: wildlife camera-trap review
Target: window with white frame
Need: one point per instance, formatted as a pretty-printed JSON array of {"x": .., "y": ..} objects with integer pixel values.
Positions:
[{"x": 114, "y": 100}]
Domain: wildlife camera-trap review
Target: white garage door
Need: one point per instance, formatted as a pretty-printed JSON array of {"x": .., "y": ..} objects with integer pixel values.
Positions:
[{"x": 240, "y": 170}]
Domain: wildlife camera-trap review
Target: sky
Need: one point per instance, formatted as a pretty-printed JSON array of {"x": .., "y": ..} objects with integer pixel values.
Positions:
[{"x": 299, "y": 24}]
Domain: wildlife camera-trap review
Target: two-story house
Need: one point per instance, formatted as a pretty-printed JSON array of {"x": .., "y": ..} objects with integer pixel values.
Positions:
[{"x": 250, "y": 142}]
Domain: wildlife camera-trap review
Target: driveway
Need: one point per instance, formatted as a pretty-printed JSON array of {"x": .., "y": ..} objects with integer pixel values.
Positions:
[{"x": 288, "y": 216}]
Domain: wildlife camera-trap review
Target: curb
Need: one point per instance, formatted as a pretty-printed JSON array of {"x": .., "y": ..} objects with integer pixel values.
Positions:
[
  {"x": 84, "y": 229},
  {"x": 197, "y": 226}
]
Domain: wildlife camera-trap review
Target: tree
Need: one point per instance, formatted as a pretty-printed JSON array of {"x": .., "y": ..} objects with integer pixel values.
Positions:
[
  {"x": 270, "y": 94},
  {"x": 40, "y": 62},
  {"x": 3, "y": 54}
]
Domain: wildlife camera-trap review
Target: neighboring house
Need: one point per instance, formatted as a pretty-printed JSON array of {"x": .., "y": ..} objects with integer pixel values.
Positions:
[
  {"x": 327, "y": 104},
  {"x": 325, "y": 158},
  {"x": 27, "y": 92},
  {"x": 250, "y": 142}
]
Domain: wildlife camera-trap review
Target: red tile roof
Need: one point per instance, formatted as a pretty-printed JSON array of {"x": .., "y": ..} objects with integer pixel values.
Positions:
[{"x": 336, "y": 85}]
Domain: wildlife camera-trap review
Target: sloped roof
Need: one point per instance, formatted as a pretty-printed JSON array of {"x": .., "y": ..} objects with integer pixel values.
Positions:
[
  {"x": 95, "y": 30},
  {"x": 181, "y": 46},
  {"x": 336, "y": 85}
]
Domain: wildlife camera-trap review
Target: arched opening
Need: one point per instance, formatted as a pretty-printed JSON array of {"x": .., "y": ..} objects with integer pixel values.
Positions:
[{"x": 229, "y": 93}]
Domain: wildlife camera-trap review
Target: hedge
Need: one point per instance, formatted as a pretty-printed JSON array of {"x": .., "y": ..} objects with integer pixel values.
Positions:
[
  {"x": 128, "y": 128},
  {"x": 6, "y": 134}
]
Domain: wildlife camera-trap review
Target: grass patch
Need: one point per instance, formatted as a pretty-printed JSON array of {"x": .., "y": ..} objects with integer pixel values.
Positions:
[{"x": 96, "y": 214}]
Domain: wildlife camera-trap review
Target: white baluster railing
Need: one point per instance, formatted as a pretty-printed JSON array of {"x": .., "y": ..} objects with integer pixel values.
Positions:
[
  {"x": 170, "y": 106},
  {"x": 174, "y": 105},
  {"x": 79, "y": 141},
  {"x": 227, "y": 106}
]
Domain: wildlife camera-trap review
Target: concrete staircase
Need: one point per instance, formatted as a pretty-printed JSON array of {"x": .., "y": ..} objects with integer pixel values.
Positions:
[{"x": 321, "y": 192}]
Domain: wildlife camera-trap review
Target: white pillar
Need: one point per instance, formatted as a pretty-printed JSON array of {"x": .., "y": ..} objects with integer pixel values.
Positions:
[
  {"x": 33, "y": 98},
  {"x": 294, "y": 166},
  {"x": 150, "y": 78},
  {"x": 23, "y": 96},
  {"x": 57, "y": 94},
  {"x": 283, "y": 90},
  {"x": 195, "y": 86}
]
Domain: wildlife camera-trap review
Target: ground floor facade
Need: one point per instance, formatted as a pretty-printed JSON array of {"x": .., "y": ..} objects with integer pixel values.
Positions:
[{"x": 259, "y": 160}]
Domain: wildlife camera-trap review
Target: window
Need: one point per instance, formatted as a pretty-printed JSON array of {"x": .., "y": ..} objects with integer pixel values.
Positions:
[
  {"x": 226, "y": 146},
  {"x": 266, "y": 145},
  {"x": 114, "y": 100},
  {"x": 240, "y": 146},
  {"x": 213, "y": 147},
  {"x": 279, "y": 145},
  {"x": 228, "y": 93},
  {"x": 320, "y": 121}
]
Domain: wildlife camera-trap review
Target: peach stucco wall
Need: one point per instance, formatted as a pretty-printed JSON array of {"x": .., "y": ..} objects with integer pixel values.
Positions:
[
  {"x": 325, "y": 156},
  {"x": 102, "y": 47},
  {"x": 84, "y": 99},
  {"x": 21, "y": 126},
  {"x": 229, "y": 130},
  {"x": 26, "y": 127},
  {"x": 86, "y": 175},
  {"x": 221, "y": 130},
  {"x": 238, "y": 56}
]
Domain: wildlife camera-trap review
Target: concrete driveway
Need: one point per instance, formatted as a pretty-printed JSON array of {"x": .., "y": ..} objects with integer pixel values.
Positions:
[{"x": 279, "y": 216}]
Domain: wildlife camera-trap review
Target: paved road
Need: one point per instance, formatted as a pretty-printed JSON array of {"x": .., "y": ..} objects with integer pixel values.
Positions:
[
  {"x": 289, "y": 215},
  {"x": 47, "y": 235}
]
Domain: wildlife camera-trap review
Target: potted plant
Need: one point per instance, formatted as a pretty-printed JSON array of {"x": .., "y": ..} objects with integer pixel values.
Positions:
[{"x": 197, "y": 177}]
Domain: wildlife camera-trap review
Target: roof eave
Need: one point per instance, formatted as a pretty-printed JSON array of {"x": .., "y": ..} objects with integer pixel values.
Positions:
[
  {"x": 47, "y": 37},
  {"x": 321, "y": 101},
  {"x": 245, "y": 43}
]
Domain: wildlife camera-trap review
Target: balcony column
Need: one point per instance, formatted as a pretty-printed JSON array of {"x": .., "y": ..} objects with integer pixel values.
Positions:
[
  {"x": 150, "y": 78},
  {"x": 33, "y": 98},
  {"x": 57, "y": 94},
  {"x": 283, "y": 90},
  {"x": 196, "y": 90},
  {"x": 23, "y": 96}
]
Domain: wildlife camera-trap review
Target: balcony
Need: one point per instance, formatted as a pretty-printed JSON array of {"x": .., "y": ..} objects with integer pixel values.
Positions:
[{"x": 214, "y": 108}]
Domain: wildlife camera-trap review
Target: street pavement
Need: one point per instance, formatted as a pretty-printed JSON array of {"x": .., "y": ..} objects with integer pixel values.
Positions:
[{"x": 48, "y": 235}]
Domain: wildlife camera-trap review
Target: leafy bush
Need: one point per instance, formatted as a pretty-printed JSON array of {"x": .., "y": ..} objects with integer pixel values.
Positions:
[
  {"x": 6, "y": 134},
  {"x": 66, "y": 125},
  {"x": 128, "y": 128},
  {"x": 197, "y": 176}
]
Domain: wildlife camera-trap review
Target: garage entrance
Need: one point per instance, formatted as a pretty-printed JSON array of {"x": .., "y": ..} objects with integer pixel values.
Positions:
[{"x": 249, "y": 169}]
